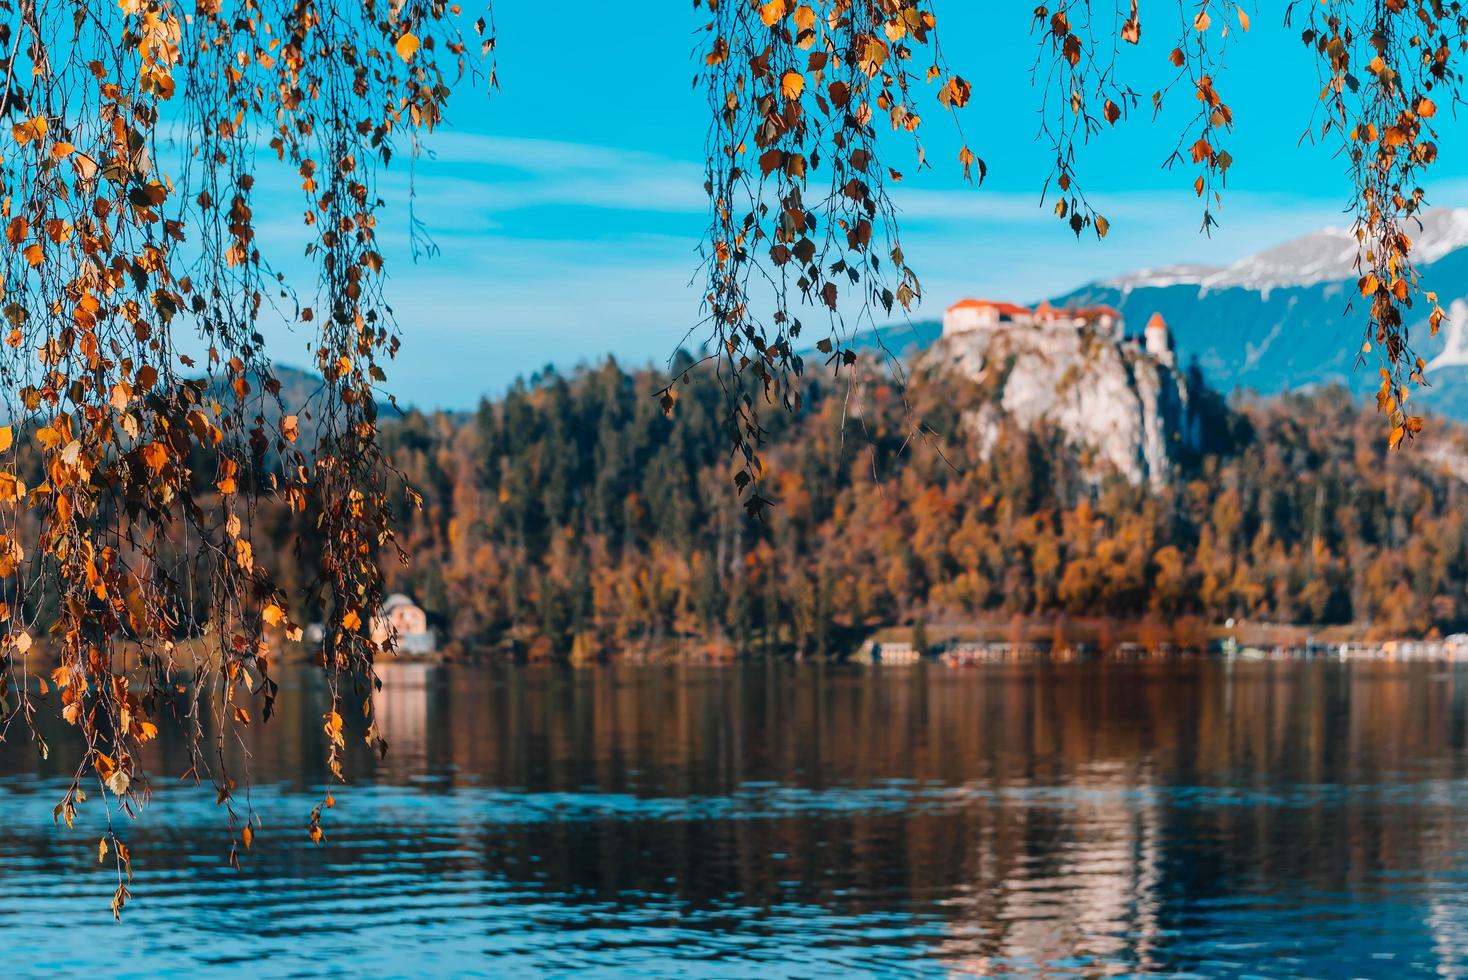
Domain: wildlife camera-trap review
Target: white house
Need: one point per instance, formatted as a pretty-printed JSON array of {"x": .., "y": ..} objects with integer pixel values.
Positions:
[
  {"x": 975, "y": 314},
  {"x": 403, "y": 619}
]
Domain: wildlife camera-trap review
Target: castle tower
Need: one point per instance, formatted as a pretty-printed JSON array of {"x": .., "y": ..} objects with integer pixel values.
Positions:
[{"x": 1159, "y": 339}]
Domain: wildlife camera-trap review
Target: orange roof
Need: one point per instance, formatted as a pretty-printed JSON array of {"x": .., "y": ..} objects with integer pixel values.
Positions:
[
  {"x": 1010, "y": 309},
  {"x": 1045, "y": 310},
  {"x": 1157, "y": 321}
]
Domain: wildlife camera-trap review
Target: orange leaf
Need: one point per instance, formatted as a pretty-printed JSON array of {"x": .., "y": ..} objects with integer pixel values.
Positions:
[
  {"x": 956, "y": 93},
  {"x": 407, "y": 46},
  {"x": 31, "y": 129},
  {"x": 155, "y": 454}
]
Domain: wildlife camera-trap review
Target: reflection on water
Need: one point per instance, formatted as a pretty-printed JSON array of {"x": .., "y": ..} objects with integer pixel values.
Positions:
[{"x": 1273, "y": 818}]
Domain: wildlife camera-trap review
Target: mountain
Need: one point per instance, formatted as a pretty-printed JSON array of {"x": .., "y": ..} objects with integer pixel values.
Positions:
[
  {"x": 301, "y": 392},
  {"x": 1281, "y": 320},
  {"x": 1327, "y": 255},
  {"x": 900, "y": 340}
]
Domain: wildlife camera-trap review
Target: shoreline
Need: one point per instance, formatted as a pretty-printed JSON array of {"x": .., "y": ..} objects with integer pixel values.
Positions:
[{"x": 1062, "y": 640}]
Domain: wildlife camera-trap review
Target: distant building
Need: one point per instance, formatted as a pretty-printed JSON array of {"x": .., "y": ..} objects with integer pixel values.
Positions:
[
  {"x": 968, "y": 315},
  {"x": 901, "y": 654},
  {"x": 975, "y": 314},
  {"x": 1105, "y": 320},
  {"x": 403, "y": 620},
  {"x": 1158, "y": 339}
]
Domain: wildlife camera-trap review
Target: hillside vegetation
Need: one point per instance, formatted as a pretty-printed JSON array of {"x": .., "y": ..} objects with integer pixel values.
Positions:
[{"x": 572, "y": 518}]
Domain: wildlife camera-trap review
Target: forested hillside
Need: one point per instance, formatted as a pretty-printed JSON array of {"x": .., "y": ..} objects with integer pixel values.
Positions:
[{"x": 573, "y": 518}]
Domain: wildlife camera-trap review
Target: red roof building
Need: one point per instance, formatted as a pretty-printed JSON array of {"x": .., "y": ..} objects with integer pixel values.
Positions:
[{"x": 975, "y": 314}]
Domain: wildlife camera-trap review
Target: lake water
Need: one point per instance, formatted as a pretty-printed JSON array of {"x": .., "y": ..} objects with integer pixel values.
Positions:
[{"x": 773, "y": 820}]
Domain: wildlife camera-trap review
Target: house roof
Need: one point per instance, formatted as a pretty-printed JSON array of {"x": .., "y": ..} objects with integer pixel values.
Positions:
[
  {"x": 1011, "y": 309},
  {"x": 396, "y": 600},
  {"x": 1156, "y": 322},
  {"x": 1045, "y": 311}
]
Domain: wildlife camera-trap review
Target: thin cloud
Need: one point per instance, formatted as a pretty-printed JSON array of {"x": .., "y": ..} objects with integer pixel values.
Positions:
[{"x": 562, "y": 252}]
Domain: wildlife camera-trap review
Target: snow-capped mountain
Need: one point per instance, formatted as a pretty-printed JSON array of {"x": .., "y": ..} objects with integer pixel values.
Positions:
[
  {"x": 1455, "y": 339},
  {"x": 1321, "y": 256},
  {"x": 1283, "y": 318}
]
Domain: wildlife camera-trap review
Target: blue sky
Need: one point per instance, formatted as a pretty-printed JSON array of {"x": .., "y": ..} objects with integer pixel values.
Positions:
[{"x": 568, "y": 205}]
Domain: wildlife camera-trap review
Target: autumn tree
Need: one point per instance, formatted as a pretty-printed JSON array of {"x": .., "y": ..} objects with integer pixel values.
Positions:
[{"x": 137, "y": 135}]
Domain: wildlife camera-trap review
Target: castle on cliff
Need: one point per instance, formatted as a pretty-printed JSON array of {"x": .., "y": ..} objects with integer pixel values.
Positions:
[{"x": 970, "y": 315}]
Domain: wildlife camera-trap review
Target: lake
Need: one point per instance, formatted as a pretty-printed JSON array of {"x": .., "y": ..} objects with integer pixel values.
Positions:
[{"x": 774, "y": 820}]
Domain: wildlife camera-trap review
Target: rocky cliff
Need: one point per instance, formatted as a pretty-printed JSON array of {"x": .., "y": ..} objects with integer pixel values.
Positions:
[{"x": 1121, "y": 407}]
